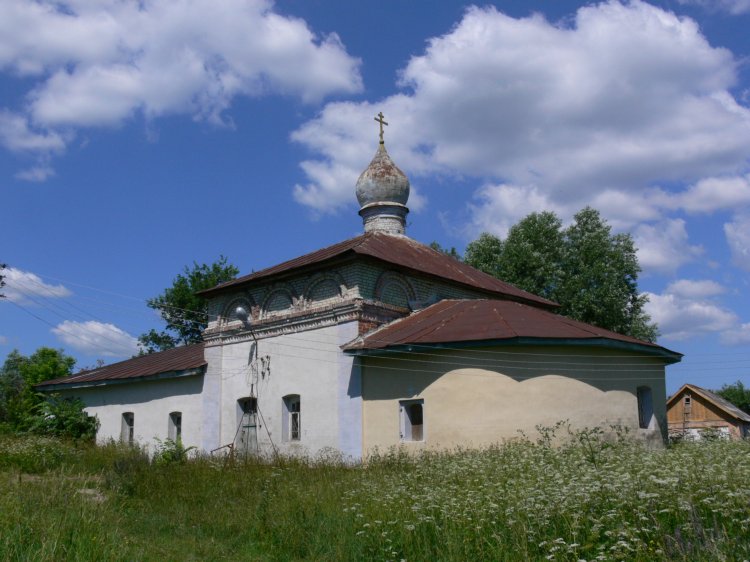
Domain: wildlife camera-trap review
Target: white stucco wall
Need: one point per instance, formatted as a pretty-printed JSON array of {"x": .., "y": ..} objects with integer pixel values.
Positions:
[
  {"x": 309, "y": 364},
  {"x": 151, "y": 403},
  {"x": 480, "y": 397}
]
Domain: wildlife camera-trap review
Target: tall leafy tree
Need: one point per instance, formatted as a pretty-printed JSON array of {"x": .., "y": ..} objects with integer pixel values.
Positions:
[
  {"x": 600, "y": 278},
  {"x": 485, "y": 253},
  {"x": 452, "y": 252},
  {"x": 590, "y": 272},
  {"x": 19, "y": 374},
  {"x": 184, "y": 312},
  {"x": 737, "y": 394}
]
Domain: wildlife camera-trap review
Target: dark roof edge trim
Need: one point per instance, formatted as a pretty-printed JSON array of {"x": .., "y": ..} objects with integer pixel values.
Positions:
[
  {"x": 651, "y": 350},
  {"x": 110, "y": 382}
]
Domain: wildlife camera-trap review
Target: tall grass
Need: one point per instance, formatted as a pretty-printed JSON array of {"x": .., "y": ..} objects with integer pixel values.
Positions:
[{"x": 588, "y": 500}]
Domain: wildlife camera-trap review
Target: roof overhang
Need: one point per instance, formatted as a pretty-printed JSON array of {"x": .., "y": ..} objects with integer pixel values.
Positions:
[
  {"x": 128, "y": 380},
  {"x": 666, "y": 355}
]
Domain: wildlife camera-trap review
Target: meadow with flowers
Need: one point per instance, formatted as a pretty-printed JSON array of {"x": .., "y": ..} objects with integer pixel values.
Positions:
[{"x": 598, "y": 495}]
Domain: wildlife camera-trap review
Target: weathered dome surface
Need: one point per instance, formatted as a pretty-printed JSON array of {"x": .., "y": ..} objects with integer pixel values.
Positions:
[{"x": 382, "y": 181}]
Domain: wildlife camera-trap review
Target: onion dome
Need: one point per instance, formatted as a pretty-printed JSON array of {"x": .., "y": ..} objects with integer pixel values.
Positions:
[
  {"x": 382, "y": 181},
  {"x": 382, "y": 191}
]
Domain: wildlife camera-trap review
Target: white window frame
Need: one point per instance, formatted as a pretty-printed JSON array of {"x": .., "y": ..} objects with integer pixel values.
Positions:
[
  {"x": 407, "y": 428},
  {"x": 645, "y": 399},
  {"x": 175, "y": 426},
  {"x": 292, "y": 418},
  {"x": 127, "y": 428}
]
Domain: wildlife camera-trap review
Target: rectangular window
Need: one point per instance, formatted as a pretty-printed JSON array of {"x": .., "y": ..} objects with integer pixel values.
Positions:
[
  {"x": 645, "y": 407},
  {"x": 127, "y": 434},
  {"x": 412, "y": 420},
  {"x": 175, "y": 426},
  {"x": 292, "y": 420}
]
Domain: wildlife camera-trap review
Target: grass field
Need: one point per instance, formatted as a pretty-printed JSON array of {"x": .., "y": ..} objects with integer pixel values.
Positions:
[{"x": 524, "y": 500}]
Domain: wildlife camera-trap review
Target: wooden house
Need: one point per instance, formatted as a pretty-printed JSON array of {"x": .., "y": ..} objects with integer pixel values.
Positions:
[{"x": 692, "y": 410}]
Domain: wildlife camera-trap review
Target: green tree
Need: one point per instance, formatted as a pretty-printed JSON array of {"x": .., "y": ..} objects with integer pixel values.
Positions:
[
  {"x": 64, "y": 417},
  {"x": 184, "y": 312},
  {"x": 737, "y": 394},
  {"x": 485, "y": 253},
  {"x": 532, "y": 255},
  {"x": 590, "y": 272},
  {"x": 452, "y": 252},
  {"x": 18, "y": 376}
]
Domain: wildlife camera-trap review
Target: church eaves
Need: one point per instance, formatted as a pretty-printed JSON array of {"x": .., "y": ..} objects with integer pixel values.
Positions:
[{"x": 398, "y": 251}]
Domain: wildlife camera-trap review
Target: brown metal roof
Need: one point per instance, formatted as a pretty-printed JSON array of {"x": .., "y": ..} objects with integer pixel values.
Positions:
[
  {"x": 454, "y": 321},
  {"x": 717, "y": 400},
  {"x": 401, "y": 251},
  {"x": 172, "y": 360}
]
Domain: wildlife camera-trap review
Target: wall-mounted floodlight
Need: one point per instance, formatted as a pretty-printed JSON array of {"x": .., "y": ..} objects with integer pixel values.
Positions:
[{"x": 243, "y": 315}]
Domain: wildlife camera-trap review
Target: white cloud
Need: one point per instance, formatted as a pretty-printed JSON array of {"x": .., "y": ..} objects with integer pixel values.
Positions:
[
  {"x": 23, "y": 286},
  {"x": 664, "y": 246},
  {"x": 681, "y": 318},
  {"x": 627, "y": 96},
  {"x": 690, "y": 308},
  {"x": 501, "y": 206},
  {"x": 713, "y": 194},
  {"x": 737, "y": 336},
  {"x": 734, "y": 7},
  {"x": 17, "y": 135},
  {"x": 98, "y": 63},
  {"x": 96, "y": 338},
  {"x": 36, "y": 174},
  {"x": 737, "y": 233},
  {"x": 687, "y": 288}
]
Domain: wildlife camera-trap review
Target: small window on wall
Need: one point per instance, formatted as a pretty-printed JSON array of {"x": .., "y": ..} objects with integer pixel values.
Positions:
[
  {"x": 688, "y": 402},
  {"x": 412, "y": 420},
  {"x": 645, "y": 407},
  {"x": 127, "y": 428},
  {"x": 292, "y": 419},
  {"x": 175, "y": 426}
]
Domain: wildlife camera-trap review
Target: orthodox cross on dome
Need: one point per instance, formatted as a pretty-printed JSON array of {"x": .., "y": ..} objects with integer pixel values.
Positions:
[{"x": 380, "y": 119}]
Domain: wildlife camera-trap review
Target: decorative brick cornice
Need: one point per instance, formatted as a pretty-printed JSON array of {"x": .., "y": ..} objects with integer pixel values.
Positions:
[{"x": 370, "y": 312}]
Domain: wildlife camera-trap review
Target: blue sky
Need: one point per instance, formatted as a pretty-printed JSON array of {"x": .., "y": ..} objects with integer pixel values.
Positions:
[{"x": 138, "y": 137}]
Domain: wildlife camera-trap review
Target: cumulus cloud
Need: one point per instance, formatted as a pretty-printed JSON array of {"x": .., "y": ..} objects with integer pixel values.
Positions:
[
  {"x": 616, "y": 100},
  {"x": 680, "y": 318},
  {"x": 737, "y": 233},
  {"x": 713, "y": 194},
  {"x": 24, "y": 286},
  {"x": 498, "y": 207},
  {"x": 738, "y": 336},
  {"x": 687, "y": 288},
  {"x": 664, "y": 246},
  {"x": 99, "y": 63},
  {"x": 734, "y": 7},
  {"x": 96, "y": 338},
  {"x": 17, "y": 135},
  {"x": 691, "y": 308}
]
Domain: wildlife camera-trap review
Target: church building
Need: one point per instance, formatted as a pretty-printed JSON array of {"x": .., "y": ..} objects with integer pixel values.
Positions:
[{"x": 374, "y": 342}]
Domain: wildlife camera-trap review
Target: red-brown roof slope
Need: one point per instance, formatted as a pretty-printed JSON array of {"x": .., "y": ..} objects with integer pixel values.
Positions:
[
  {"x": 172, "y": 360},
  {"x": 455, "y": 321},
  {"x": 401, "y": 251},
  {"x": 717, "y": 401}
]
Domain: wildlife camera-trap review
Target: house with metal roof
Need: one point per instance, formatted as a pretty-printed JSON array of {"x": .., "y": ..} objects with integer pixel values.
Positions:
[
  {"x": 692, "y": 411},
  {"x": 374, "y": 342}
]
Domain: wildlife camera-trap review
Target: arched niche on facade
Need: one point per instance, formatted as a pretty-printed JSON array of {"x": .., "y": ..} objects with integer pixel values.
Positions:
[
  {"x": 278, "y": 300},
  {"x": 394, "y": 288},
  {"x": 228, "y": 316},
  {"x": 324, "y": 288}
]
